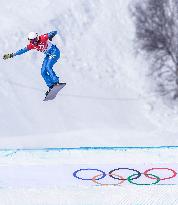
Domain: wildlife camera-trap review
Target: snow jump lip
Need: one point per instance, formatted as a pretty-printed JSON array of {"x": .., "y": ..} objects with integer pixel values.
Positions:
[{"x": 89, "y": 148}]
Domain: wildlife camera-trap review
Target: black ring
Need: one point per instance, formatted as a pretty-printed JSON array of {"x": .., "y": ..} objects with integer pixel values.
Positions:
[{"x": 138, "y": 173}]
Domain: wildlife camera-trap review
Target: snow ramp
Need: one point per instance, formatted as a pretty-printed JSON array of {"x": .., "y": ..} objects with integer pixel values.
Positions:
[{"x": 89, "y": 175}]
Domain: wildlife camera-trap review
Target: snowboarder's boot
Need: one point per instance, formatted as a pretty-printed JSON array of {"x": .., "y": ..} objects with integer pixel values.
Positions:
[
  {"x": 51, "y": 87},
  {"x": 52, "y": 93},
  {"x": 47, "y": 92}
]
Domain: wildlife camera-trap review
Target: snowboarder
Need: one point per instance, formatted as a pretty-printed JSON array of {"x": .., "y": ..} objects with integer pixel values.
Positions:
[{"x": 52, "y": 54}]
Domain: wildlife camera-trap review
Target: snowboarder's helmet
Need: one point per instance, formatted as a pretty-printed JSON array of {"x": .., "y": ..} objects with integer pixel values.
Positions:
[{"x": 32, "y": 35}]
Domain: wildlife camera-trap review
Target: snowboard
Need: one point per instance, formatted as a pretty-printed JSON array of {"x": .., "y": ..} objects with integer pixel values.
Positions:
[{"x": 54, "y": 91}]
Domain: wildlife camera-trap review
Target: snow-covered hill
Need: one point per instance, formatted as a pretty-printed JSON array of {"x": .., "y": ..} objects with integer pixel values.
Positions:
[{"x": 104, "y": 102}]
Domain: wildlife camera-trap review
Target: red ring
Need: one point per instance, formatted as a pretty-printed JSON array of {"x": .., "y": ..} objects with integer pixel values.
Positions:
[{"x": 173, "y": 171}]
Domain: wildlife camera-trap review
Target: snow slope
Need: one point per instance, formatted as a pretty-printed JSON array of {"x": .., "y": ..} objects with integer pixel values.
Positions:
[
  {"x": 38, "y": 177},
  {"x": 105, "y": 90}
]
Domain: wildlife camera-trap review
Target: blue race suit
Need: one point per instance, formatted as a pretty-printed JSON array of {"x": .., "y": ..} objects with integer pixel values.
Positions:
[{"x": 47, "y": 72}]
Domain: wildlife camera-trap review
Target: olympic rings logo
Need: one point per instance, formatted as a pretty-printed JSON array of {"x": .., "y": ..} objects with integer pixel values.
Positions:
[{"x": 120, "y": 179}]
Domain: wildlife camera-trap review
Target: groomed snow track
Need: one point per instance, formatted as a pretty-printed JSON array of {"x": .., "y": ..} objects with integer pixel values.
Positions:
[{"x": 82, "y": 175}]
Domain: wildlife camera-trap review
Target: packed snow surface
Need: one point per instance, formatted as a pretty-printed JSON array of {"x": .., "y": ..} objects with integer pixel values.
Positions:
[{"x": 51, "y": 177}]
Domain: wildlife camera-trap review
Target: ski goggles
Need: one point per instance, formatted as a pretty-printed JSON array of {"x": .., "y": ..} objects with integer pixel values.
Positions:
[{"x": 33, "y": 41}]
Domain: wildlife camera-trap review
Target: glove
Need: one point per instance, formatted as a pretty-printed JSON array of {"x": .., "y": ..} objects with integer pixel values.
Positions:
[
  {"x": 50, "y": 38},
  {"x": 7, "y": 56}
]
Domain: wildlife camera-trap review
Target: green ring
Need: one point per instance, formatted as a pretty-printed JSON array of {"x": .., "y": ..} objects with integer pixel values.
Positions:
[{"x": 130, "y": 179}]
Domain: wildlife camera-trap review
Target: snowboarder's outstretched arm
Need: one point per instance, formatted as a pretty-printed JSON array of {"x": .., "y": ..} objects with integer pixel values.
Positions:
[
  {"x": 21, "y": 51},
  {"x": 11, "y": 55},
  {"x": 48, "y": 36}
]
